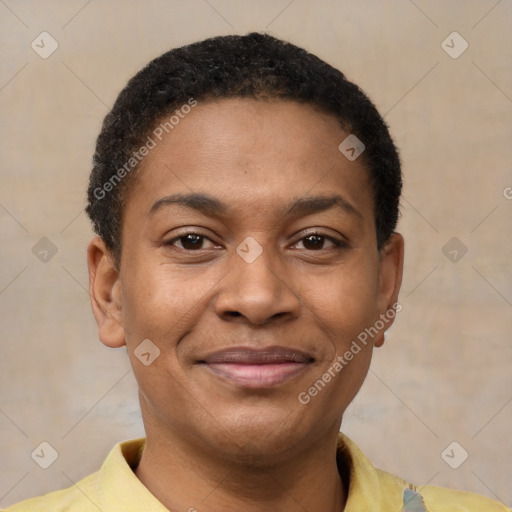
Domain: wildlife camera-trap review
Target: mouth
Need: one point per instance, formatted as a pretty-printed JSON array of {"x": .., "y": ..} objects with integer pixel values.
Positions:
[{"x": 257, "y": 368}]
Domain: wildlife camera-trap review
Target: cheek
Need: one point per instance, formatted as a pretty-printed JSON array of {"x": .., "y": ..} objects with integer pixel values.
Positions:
[
  {"x": 343, "y": 302},
  {"x": 348, "y": 307},
  {"x": 158, "y": 304}
]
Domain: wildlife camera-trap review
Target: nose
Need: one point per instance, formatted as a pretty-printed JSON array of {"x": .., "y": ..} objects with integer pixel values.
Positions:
[{"x": 257, "y": 293}]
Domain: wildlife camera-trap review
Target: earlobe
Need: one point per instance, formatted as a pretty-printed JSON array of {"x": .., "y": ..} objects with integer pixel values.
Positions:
[
  {"x": 391, "y": 272},
  {"x": 105, "y": 293},
  {"x": 379, "y": 339}
]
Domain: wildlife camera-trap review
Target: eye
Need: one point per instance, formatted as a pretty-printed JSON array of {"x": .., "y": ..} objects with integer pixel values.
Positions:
[
  {"x": 191, "y": 242},
  {"x": 317, "y": 241}
]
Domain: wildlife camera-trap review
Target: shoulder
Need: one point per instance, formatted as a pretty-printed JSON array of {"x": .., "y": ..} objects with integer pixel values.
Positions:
[
  {"x": 371, "y": 488},
  {"x": 114, "y": 487},
  {"x": 431, "y": 498},
  {"x": 72, "y": 498},
  {"x": 449, "y": 500}
]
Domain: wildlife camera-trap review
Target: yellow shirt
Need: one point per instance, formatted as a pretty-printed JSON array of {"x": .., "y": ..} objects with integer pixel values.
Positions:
[{"x": 115, "y": 488}]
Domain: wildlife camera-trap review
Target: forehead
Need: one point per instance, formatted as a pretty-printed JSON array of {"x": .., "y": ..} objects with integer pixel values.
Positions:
[{"x": 252, "y": 154}]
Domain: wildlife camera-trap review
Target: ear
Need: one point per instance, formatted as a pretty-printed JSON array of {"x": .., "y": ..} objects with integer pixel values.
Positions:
[
  {"x": 105, "y": 293},
  {"x": 390, "y": 280}
]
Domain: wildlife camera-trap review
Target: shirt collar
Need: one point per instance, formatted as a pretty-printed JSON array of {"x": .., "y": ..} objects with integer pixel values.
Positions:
[
  {"x": 119, "y": 487},
  {"x": 369, "y": 488}
]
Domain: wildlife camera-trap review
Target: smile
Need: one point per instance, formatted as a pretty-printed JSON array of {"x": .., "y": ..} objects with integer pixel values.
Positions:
[{"x": 256, "y": 369}]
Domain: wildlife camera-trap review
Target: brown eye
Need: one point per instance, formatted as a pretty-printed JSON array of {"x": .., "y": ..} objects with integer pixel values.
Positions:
[
  {"x": 320, "y": 242},
  {"x": 313, "y": 242},
  {"x": 191, "y": 241},
  {"x": 317, "y": 241}
]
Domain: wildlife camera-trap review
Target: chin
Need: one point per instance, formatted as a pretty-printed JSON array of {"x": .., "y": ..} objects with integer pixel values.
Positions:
[{"x": 254, "y": 437}]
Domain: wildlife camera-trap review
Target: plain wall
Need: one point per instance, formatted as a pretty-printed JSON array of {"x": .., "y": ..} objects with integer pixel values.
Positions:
[{"x": 444, "y": 373}]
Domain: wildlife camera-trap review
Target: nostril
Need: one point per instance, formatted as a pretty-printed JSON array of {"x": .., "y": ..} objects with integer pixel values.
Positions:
[{"x": 233, "y": 313}]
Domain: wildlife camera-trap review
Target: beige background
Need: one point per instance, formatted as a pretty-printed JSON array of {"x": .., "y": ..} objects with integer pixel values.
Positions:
[{"x": 444, "y": 374}]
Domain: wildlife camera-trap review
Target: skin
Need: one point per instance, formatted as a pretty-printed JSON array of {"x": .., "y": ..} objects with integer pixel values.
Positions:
[{"x": 212, "y": 443}]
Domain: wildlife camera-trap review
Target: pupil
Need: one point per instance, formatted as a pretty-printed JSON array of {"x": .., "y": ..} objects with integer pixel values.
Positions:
[
  {"x": 314, "y": 241},
  {"x": 192, "y": 241}
]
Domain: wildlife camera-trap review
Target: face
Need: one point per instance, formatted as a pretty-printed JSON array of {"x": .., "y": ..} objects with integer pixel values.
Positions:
[{"x": 249, "y": 261}]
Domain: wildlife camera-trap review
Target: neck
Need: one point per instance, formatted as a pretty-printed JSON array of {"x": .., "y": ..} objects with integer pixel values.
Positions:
[{"x": 184, "y": 477}]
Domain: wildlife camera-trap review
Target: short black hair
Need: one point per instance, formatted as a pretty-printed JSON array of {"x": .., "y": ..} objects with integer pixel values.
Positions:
[{"x": 256, "y": 66}]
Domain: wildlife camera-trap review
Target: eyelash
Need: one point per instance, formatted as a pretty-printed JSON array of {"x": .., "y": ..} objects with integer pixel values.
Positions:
[{"x": 338, "y": 243}]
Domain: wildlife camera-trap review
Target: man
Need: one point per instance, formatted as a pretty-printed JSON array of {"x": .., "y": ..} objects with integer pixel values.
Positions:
[{"x": 245, "y": 196}]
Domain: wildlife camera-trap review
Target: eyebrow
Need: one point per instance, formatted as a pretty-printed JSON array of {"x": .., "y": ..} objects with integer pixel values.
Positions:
[
  {"x": 210, "y": 206},
  {"x": 315, "y": 204},
  {"x": 203, "y": 203}
]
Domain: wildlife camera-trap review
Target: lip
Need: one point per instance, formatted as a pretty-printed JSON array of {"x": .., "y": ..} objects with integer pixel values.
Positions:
[{"x": 257, "y": 368}]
